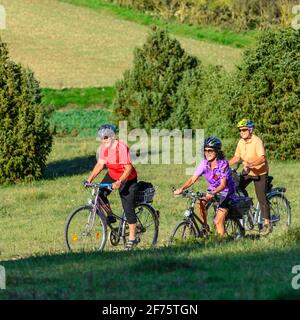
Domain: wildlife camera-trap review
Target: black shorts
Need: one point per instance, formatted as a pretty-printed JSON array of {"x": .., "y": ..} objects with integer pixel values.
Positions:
[{"x": 223, "y": 201}]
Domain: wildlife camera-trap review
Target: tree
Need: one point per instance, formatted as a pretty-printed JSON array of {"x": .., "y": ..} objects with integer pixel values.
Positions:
[
  {"x": 145, "y": 96},
  {"x": 25, "y": 140},
  {"x": 267, "y": 90}
]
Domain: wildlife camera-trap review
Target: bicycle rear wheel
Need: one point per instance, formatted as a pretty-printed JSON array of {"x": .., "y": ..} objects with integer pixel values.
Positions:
[
  {"x": 85, "y": 230},
  {"x": 280, "y": 211},
  {"x": 233, "y": 229},
  {"x": 184, "y": 231},
  {"x": 147, "y": 225}
]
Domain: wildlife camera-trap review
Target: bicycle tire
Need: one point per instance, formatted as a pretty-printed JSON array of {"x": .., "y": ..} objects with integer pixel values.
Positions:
[
  {"x": 280, "y": 210},
  {"x": 147, "y": 225},
  {"x": 188, "y": 232},
  {"x": 78, "y": 236},
  {"x": 234, "y": 229}
]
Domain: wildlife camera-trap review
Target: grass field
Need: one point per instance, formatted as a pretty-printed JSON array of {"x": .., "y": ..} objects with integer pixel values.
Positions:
[
  {"x": 207, "y": 33},
  {"x": 70, "y": 98},
  {"x": 73, "y": 46},
  {"x": 32, "y": 250}
]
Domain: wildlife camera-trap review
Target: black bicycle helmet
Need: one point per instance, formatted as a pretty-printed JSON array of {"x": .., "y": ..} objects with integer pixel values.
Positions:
[
  {"x": 106, "y": 130},
  {"x": 213, "y": 142}
]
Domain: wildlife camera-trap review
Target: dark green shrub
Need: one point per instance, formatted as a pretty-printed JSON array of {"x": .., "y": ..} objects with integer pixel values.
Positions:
[
  {"x": 25, "y": 141},
  {"x": 267, "y": 89},
  {"x": 145, "y": 97}
]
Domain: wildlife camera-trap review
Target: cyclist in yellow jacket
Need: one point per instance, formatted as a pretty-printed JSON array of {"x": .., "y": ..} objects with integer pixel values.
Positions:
[{"x": 251, "y": 150}]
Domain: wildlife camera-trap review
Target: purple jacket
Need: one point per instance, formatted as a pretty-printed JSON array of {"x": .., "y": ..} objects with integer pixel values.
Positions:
[{"x": 214, "y": 176}]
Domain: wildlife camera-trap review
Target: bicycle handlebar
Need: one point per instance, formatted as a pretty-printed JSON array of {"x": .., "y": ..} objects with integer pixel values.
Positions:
[
  {"x": 98, "y": 185},
  {"x": 235, "y": 168},
  {"x": 190, "y": 194},
  {"x": 244, "y": 172}
]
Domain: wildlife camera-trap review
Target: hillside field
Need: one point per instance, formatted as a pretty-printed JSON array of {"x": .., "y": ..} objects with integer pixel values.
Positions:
[{"x": 70, "y": 46}]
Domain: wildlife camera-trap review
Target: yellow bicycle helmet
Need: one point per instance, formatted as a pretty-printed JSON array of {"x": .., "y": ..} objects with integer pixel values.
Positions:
[{"x": 246, "y": 123}]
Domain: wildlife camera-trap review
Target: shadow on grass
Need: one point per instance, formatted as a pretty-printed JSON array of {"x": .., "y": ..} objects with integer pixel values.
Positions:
[
  {"x": 178, "y": 272},
  {"x": 69, "y": 167}
]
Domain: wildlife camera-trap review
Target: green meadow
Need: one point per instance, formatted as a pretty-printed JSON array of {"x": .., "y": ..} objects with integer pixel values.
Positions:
[
  {"x": 38, "y": 266},
  {"x": 77, "y": 71}
]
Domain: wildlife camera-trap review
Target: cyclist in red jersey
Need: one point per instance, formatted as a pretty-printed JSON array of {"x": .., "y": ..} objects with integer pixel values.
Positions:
[{"x": 115, "y": 155}]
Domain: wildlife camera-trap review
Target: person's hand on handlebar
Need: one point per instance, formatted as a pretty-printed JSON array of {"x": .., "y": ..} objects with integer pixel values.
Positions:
[
  {"x": 116, "y": 185},
  {"x": 86, "y": 183},
  {"x": 246, "y": 165},
  {"x": 209, "y": 195},
  {"x": 178, "y": 191},
  {"x": 246, "y": 168}
]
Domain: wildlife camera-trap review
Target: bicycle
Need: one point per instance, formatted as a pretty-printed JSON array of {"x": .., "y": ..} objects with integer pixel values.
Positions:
[
  {"x": 190, "y": 227},
  {"x": 280, "y": 209},
  {"x": 88, "y": 229}
]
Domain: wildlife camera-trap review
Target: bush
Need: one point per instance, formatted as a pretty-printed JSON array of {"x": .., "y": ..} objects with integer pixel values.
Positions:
[
  {"x": 267, "y": 90},
  {"x": 145, "y": 97},
  {"x": 25, "y": 141}
]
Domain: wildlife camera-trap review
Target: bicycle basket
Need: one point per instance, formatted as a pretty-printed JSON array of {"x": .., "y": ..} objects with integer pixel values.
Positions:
[
  {"x": 239, "y": 206},
  {"x": 144, "y": 192}
]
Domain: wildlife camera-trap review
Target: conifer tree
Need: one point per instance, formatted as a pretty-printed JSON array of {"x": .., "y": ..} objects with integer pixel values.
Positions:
[
  {"x": 25, "y": 140},
  {"x": 146, "y": 96},
  {"x": 267, "y": 90}
]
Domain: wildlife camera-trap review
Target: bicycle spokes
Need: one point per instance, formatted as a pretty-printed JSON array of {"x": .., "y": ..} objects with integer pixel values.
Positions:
[
  {"x": 85, "y": 231},
  {"x": 280, "y": 211},
  {"x": 146, "y": 226},
  {"x": 184, "y": 231}
]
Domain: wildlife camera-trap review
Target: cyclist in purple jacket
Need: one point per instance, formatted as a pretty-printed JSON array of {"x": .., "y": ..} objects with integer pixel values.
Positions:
[{"x": 217, "y": 173}]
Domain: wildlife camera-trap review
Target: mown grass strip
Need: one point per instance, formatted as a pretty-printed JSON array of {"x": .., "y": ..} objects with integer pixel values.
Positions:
[
  {"x": 78, "y": 97},
  {"x": 232, "y": 270},
  {"x": 210, "y": 34}
]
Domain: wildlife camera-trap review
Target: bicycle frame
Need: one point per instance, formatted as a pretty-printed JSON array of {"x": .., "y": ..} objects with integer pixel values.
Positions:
[
  {"x": 193, "y": 217},
  {"x": 256, "y": 218},
  {"x": 102, "y": 206}
]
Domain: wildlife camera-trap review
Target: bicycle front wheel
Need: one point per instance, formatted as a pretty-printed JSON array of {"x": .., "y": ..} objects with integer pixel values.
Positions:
[
  {"x": 146, "y": 226},
  {"x": 280, "y": 211},
  {"x": 85, "y": 230},
  {"x": 184, "y": 231}
]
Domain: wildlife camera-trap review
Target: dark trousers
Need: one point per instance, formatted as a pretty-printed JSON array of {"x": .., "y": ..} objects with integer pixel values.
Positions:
[
  {"x": 260, "y": 183},
  {"x": 126, "y": 192}
]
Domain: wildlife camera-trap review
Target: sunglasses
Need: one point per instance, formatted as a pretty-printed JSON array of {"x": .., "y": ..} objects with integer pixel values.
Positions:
[
  {"x": 243, "y": 130},
  {"x": 105, "y": 138},
  {"x": 209, "y": 150}
]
